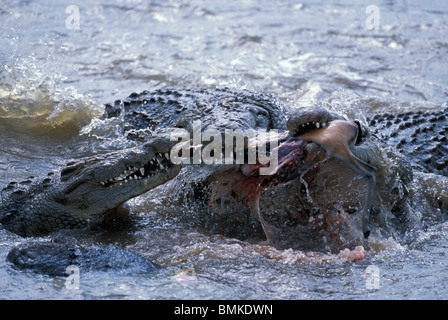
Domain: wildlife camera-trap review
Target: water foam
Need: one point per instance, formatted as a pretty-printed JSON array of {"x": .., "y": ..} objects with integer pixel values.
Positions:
[{"x": 34, "y": 102}]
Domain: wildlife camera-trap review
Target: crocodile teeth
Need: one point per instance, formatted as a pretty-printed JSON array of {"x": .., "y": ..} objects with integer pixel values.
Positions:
[
  {"x": 142, "y": 173},
  {"x": 317, "y": 125},
  {"x": 323, "y": 124}
]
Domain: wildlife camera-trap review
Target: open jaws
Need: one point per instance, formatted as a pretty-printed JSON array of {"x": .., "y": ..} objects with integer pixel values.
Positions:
[{"x": 337, "y": 139}]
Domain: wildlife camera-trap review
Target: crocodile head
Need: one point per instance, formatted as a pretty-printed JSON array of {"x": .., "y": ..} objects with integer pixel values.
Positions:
[
  {"x": 86, "y": 190},
  {"x": 325, "y": 164},
  {"x": 351, "y": 168},
  {"x": 334, "y": 137},
  {"x": 103, "y": 182}
]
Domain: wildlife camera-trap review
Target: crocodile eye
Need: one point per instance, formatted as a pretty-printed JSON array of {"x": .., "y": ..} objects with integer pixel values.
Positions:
[
  {"x": 359, "y": 133},
  {"x": 71, "y": 169}
]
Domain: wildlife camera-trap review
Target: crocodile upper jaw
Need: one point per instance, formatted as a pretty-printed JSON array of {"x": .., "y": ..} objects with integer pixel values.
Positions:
[{"x": 98, "y": 184}]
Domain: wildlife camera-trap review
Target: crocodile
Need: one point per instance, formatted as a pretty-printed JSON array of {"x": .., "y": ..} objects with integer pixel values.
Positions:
[
  {"x": 87, "y": 191},
  {"x": 57, "y": 258},
  {"x": 421, "y": 136}
]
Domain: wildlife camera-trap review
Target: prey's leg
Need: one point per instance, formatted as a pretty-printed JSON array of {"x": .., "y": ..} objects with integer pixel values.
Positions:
[{"x": 268, "y": 230}]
